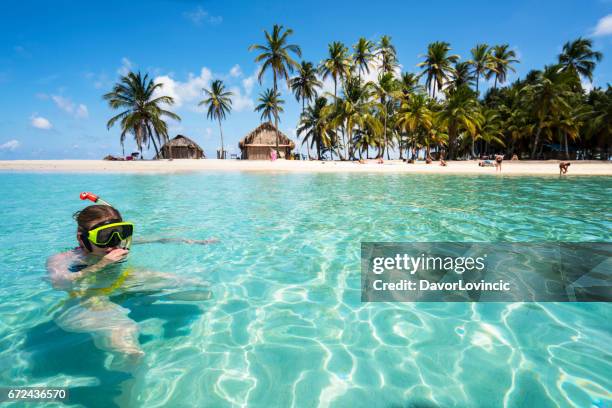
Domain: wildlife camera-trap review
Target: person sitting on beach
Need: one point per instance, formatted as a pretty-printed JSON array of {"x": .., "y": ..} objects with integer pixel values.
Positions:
[
  {"x": 442, "y": 163},
  {"x": 380, "y": 160},
  {"x": 514, "y": 157},
  {"x": 563, "y": 167},
  {"x": 428, "y": 160},
  {"x": 499, "y": 158},
  {"x": 92, "y": 272}
]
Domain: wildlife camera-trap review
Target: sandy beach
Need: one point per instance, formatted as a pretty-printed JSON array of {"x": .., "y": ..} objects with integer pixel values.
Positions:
[{"x": 551, "y": 167}]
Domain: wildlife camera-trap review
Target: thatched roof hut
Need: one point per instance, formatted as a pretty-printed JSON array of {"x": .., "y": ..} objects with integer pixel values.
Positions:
[
  {"x": 257, "y": 144},
  {"x": 181, "y": 147}
]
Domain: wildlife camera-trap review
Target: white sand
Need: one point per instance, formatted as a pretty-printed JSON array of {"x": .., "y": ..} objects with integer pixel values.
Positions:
[{"x": 550, "y": 167}]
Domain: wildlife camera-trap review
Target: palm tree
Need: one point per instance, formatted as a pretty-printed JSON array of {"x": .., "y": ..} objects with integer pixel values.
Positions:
[
  {"x": 362, "y": 55},
  {"x": 336, "y": 64},
  {"x": 219, "y": 103},
  {"x": 460, "y": 114},
  {"x": 579, "y": 57},
  {"x": 384, "y": 89},
  {"x": 315, "y": 126},
  {"x": 415, "y": 118},
  {"x": 275, "y": 56},
  {"x": 481, "y": 61},
  {"x": 548, "y": 97},
  {"x": 305, "y": 85},
  {"x": 354, "y": 111},
  {"x": 437, "y": 65},
  {"x": 501, "y": 59},
  {"x": 270, "y": 105},
  {"x": 387, "y": 54},
  {"x": 462, "y": 76},
  {"x": 142, "y": 114}
]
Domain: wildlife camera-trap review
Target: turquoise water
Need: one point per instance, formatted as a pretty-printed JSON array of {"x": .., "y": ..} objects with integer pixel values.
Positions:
[{"x": 285, "y": 325}]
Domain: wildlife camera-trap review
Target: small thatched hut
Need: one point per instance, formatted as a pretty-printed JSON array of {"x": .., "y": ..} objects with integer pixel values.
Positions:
[
  {"x": 181, "y": 147},
  {"x": 257, "y": 144}
]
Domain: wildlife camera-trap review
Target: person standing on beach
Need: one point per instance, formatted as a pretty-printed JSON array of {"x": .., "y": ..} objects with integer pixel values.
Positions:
[
  {"x": 563, "y": 167},
  {"x": 499, "y": 158}
]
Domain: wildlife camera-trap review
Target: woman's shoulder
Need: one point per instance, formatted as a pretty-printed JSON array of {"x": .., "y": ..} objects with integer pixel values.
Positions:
[{"x": 72, "y": 255}]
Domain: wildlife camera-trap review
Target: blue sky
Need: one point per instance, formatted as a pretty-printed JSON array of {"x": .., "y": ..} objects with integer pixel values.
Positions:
[{"x": 57, "y": 58}]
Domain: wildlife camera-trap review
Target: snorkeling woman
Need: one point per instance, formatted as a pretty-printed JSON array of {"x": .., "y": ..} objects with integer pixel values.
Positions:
[{"x": 92, "y": 272}]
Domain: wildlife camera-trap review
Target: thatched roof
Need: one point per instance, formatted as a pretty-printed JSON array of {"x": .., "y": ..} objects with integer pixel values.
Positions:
[
  {"x": 182, "y": 141},
  {"x": 265, "y": 135}
]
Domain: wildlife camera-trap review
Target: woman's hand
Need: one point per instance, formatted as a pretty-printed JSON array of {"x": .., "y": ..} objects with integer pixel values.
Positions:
[{"x": 115, "y": 255}]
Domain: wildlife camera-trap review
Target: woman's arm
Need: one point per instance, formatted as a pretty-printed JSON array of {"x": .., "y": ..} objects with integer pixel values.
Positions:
[
  {"x": 58, "y": 267},
  {"x": 175, "y": 240}
]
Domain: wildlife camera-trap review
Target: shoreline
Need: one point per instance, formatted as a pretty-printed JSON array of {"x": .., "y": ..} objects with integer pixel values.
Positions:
[{"x": 526, "y": 168}]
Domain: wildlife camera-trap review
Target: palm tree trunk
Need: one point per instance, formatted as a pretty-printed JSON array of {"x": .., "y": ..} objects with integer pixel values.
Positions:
[
  {"x": 535, "y": 142},
  {"x": 307, "y": 145},
  {"x": 473, "y": 145},
  {"x": 477, "y": 81},
  {"x": 276, "y": 119},
  {"x": 221, "y": 133},
  {"x": 567, "y": 156}
]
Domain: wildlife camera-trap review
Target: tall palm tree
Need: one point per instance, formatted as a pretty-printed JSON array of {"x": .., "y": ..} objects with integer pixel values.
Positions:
[
  {"x": 481, "y": 61},
  {"x": 579, "y": 57},
  {"x": 336, "y": 65},
  {"x": 315, "y": 126},
  {"x": 387, "y": 54},
  {"x": 275, "y": 55},
  {"x": 304, "y": 86},
  {"x": 384, "y": 89},
  {"x": 438, "y": 66},
  {"x": 363, "y": 55},
  {"x": 142, "y": 112},
  {"x": 502, "y": 58},
  {"x": 219, "y": 103}
]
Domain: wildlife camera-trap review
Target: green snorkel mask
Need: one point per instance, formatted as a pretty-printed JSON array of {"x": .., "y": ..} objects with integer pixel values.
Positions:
[{"x": 108, "y": 234}]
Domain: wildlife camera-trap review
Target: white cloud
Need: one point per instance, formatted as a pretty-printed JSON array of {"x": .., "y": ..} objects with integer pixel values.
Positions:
[
  {"x": 81, "y": 111},
  {"x": 78, "y": 111},
  {"x": 186, "y": 91},
  {"x": 10, "y": 145},
  {"x": 249, "y": 82},
  {"x": 236, "y": 71},
  {"x": 241, "y": 102},
  {"x": 604, "y": 26},
  {"x": 40, "y": 123},
  {"x": 126, "y": 66},
  {"x": 199, "y": 16}
]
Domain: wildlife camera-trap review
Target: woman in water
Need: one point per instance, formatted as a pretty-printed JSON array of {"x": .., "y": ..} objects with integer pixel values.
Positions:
[{"x": 92, "y": 272}]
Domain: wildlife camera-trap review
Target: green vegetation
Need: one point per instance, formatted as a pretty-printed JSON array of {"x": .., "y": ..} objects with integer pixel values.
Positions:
[
  {"x": 548, "y": 114},
  {"x": 219, "y": 103},
  {"x": 374, "y": 107},
  {"x": 142, "y": 115}
]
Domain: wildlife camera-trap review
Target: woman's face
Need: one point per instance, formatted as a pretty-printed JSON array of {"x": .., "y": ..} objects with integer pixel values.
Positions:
[{"x": 95, "y": 250}]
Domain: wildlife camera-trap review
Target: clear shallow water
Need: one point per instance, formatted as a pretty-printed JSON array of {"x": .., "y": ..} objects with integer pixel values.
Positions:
[{"x": 285, "y": 326}]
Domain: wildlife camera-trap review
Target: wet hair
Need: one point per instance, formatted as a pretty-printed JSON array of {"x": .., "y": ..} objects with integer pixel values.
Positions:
[{"x": 94, "y": 214}]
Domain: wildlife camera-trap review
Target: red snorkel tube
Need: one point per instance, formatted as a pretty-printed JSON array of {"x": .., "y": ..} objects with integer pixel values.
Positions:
[{"x": 86, "y": 195}]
